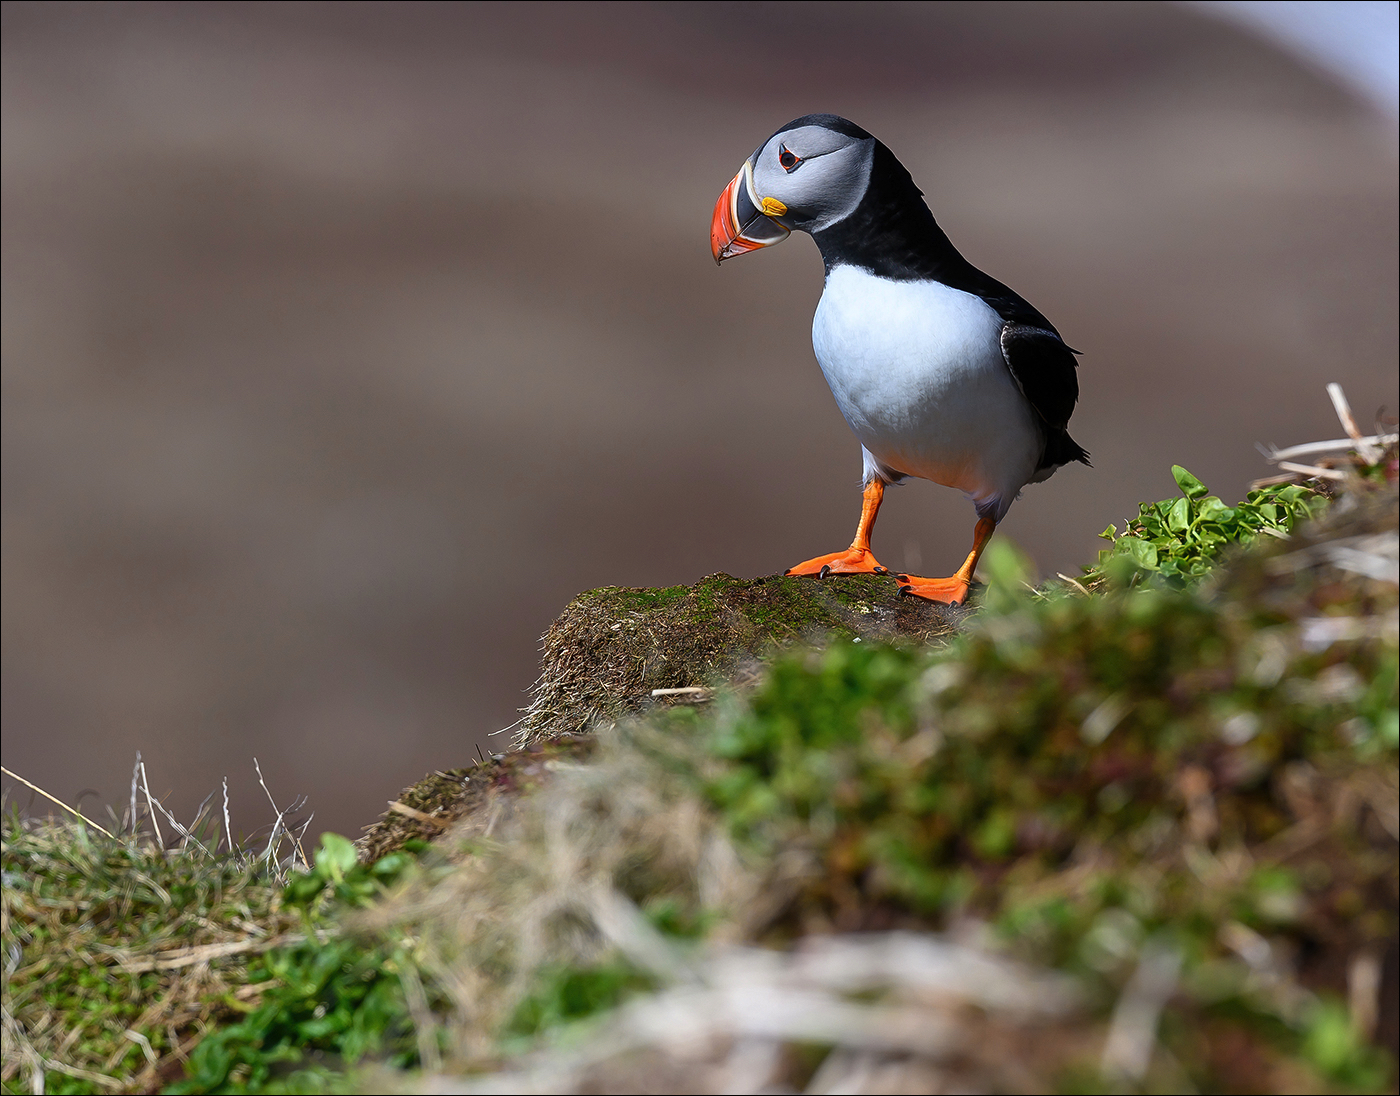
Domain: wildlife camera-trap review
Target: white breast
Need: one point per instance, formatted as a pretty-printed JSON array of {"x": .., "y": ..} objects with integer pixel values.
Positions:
[{"x": 917, "y": 371}]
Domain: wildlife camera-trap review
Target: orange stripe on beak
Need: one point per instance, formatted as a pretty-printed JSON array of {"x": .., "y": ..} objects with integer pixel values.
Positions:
[{"x": 725, "y": 241}]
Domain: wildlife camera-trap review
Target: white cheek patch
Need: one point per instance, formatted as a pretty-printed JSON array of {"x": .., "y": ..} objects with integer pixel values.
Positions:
[
  {"x": 843, "y": 182},
  {"x": 829, "y": 183}
]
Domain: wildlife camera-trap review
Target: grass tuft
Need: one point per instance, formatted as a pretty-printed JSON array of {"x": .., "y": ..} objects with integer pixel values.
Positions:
[{"x": 119, "y": 955}]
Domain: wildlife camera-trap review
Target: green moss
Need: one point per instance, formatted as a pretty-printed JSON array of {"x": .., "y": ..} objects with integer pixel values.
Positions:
[
  {"x": 564, "y": 994},
  {"x": 612, "y": 646},
  {"x": 1026, "y": 767}
]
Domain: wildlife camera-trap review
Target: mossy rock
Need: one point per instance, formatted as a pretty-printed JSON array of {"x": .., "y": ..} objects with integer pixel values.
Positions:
[{"x": 613, "y": 646}]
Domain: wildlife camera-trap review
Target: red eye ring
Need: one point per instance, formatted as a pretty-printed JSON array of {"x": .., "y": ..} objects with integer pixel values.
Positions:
[{"x": 788, "y": 159}]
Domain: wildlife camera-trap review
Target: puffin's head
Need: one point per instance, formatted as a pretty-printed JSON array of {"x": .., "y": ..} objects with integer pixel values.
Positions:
[{"x": 807, "y": 176}]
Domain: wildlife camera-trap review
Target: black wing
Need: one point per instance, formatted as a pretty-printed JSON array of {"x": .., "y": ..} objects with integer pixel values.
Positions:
[
  {"x": 1043, "y": 366},
  {"x": 1045, "y": 370}
]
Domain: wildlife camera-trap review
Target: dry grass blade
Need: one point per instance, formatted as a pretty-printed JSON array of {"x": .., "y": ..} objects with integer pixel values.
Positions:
[
  {"x": 150, "y": 803},
  {"x": 278, "y": 825},
  {"x": 1132, "y": 1033},
  {"x": 19, "y": 1049},
  {"x": 1079, "y": 587},
  {"x": 54, "y": 799},
  {"x": 135, "y": 783},
  {"x": 417, "y": 815},
  {"x": 228, "y": 826},
  {"x": 203, "y": 953},
  {"x": 1338, "y": 445},
  {"x": 1312, "y": 471},
  {"x": 179, "y": 828},
  {"x": 1333, "y": 461},
  {"x": 1364, "y": 446}
]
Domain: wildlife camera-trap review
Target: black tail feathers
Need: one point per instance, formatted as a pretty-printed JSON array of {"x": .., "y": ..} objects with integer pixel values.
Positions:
[{"x": 1060, "y": 449}]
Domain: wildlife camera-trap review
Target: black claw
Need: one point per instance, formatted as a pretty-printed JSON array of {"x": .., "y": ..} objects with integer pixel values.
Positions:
[
  {"x": 902, "y": 578},
  {"x": 882, "y": 570},
  {"x": 826, "y": 570},
  {"x": 906, "y": 591}
]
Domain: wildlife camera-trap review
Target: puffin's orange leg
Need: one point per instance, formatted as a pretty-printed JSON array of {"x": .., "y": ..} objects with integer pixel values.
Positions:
[
  {"x": 855, "y": 560},
  {"x": 951, "y": 590}
]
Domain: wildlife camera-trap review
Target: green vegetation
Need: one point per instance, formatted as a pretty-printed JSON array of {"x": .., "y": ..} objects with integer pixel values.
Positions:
[
  {"x": 1178, "y": 541},
  {"x": 1202, "y": 770},
  {"x": 121, "y": 957},
  {"x": 329, "y": 1000},
  {"x": 1086, "y": 776}
]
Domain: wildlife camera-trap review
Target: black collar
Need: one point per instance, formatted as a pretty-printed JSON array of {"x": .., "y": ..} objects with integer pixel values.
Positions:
[{"x": 892, "y": 234}]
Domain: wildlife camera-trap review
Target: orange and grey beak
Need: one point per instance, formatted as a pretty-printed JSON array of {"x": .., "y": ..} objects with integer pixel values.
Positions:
[{"x": 742, "y": 220}]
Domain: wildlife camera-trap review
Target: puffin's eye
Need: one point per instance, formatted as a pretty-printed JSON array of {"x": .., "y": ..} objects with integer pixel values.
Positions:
[{"x": 789, "y": 160}]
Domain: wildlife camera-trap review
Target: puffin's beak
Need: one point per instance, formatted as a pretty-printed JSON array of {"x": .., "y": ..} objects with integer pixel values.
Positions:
[{"x": 742, "y": 221}]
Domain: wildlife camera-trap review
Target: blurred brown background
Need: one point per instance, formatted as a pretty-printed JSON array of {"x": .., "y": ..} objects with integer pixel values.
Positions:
[{"x": 344, "y": 343}]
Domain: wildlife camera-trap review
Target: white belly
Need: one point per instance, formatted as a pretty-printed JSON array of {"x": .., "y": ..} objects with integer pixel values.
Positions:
[{"x": 917, "y": 371}]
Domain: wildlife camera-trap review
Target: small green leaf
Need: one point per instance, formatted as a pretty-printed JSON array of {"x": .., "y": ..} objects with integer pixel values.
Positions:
[
  {"x": 995, "y": 839},
  {"x": 1333, "y": 1044},
  {"x": 1190, "y": 486},
  {"x": 1008, "y": 572},
  {"x": 1211, "y": 508},
  {"x": 335, "y": 857},
  {"x": 1139, "y": 551},
  {"x": 302, "y": 890}
]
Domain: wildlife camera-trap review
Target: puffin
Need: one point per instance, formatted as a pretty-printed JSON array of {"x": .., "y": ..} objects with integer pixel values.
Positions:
[{"x": 941, "y": 371}]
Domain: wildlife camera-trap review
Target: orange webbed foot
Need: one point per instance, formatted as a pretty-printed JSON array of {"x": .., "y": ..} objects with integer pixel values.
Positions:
[
  {"x": 853, "y": 561},
  {"x": 950, "y": 591}
]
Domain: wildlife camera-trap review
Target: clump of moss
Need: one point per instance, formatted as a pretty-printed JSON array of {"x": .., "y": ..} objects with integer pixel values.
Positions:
[
  {"x": 612, "y": 646},
  {"x": 1072, "y": 721}
]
